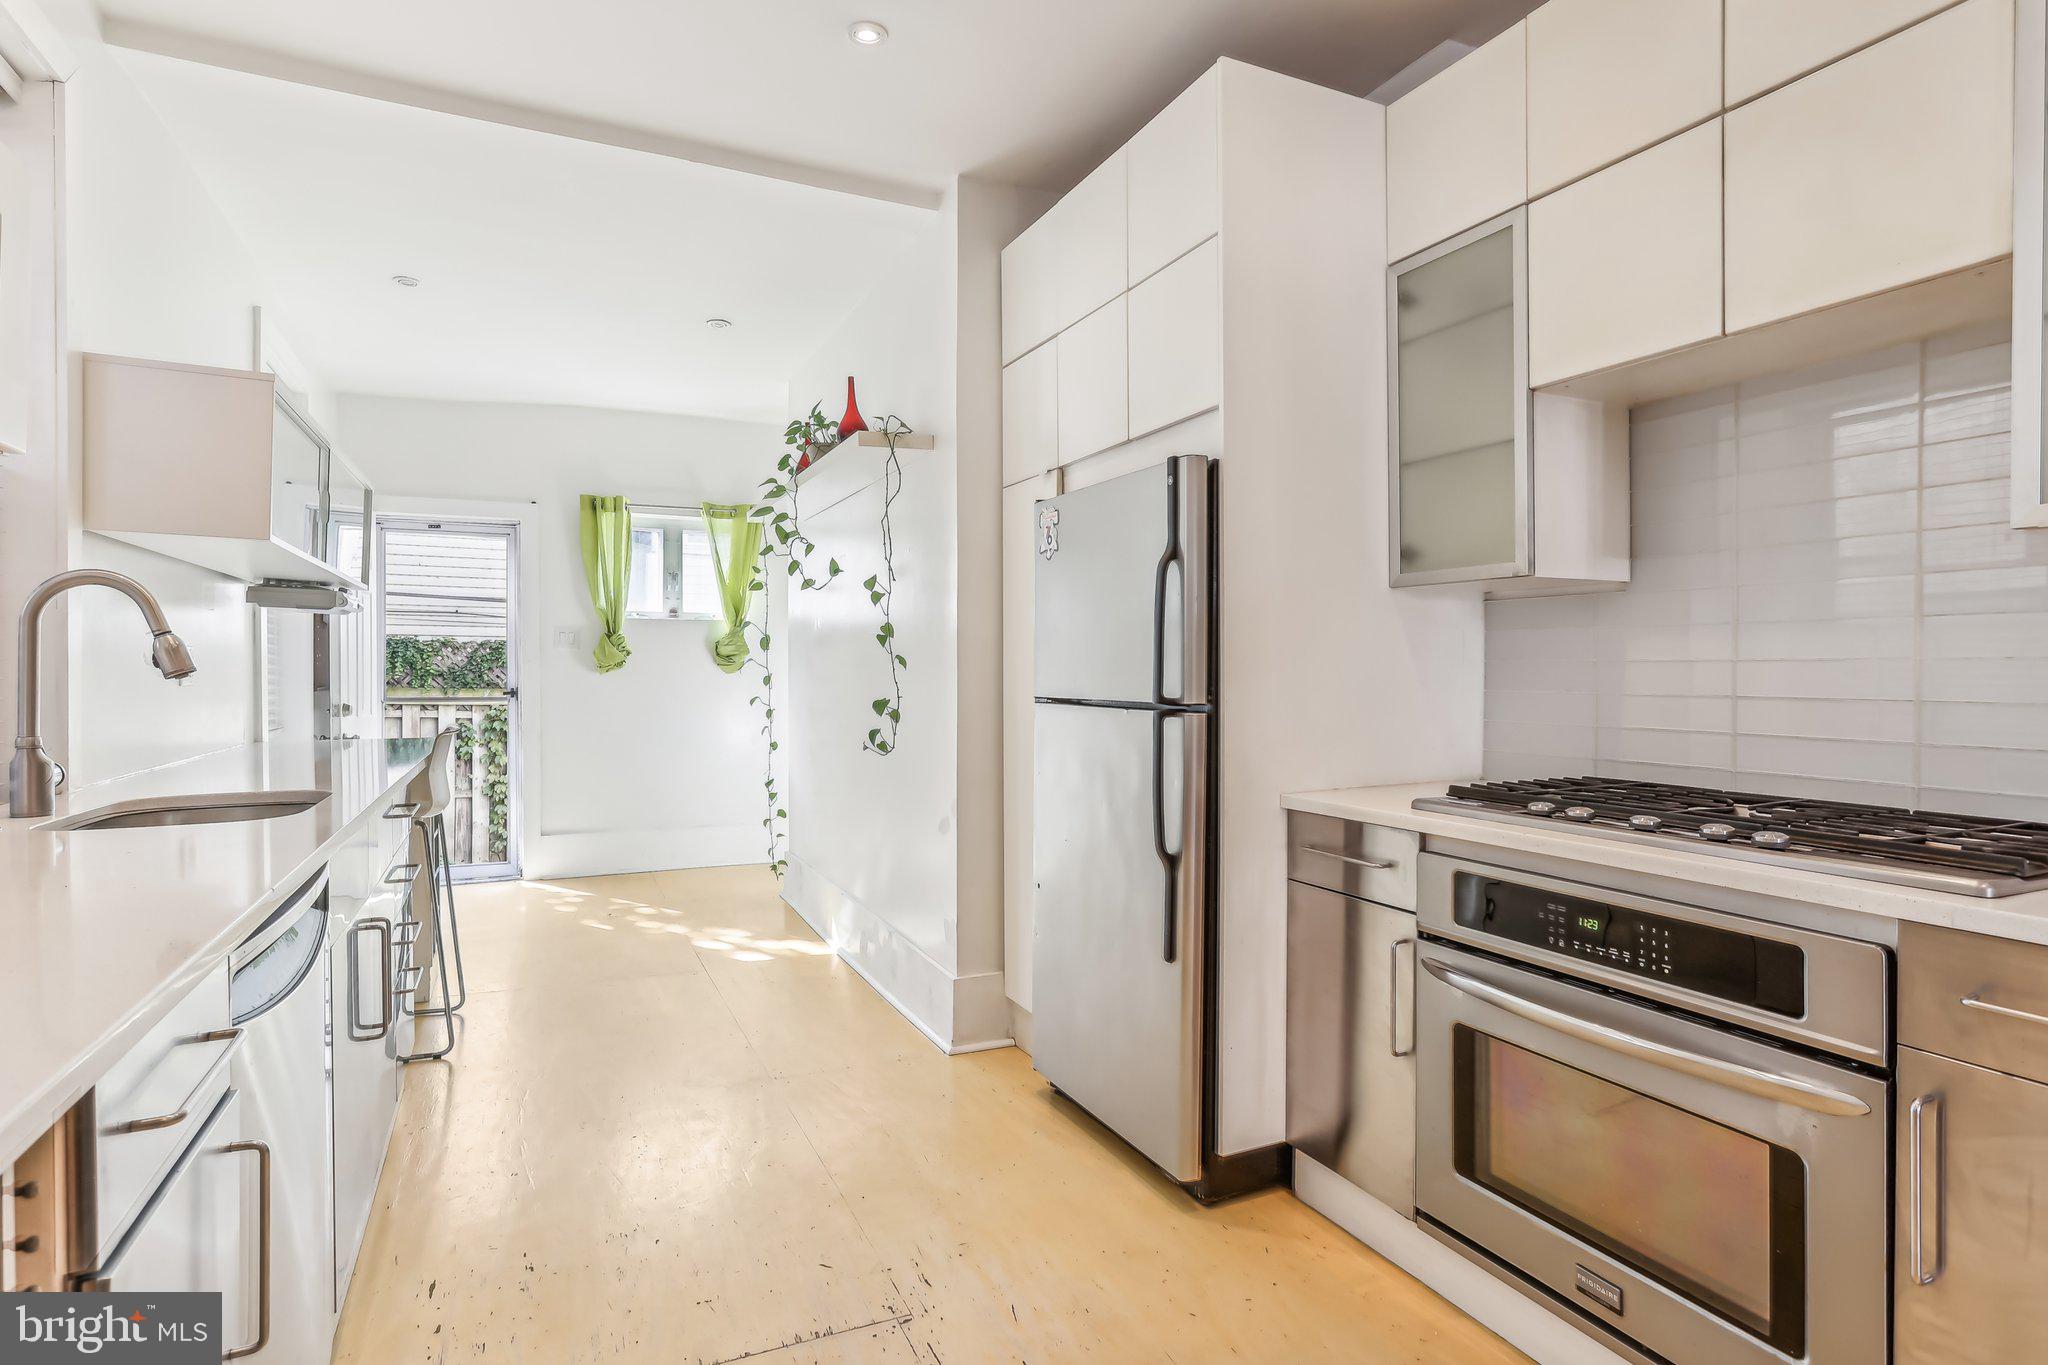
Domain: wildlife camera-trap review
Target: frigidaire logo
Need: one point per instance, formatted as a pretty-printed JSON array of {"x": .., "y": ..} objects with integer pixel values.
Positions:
[{"x": 110, "y": 1328}]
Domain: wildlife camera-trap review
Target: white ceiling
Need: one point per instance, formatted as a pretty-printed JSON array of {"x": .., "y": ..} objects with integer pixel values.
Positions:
[
  {"x": 1028, "y": 91},
  {"x": 553, "y": 270}
]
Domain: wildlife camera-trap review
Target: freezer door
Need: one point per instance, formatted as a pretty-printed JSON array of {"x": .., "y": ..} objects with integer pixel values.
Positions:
[
  {"x": 1121, "y": 604},
  {"x": 1120, "y": 927}
]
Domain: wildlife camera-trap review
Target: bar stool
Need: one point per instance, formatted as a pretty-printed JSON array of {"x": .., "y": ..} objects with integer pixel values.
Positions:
[{"x": 440, "y": 875}]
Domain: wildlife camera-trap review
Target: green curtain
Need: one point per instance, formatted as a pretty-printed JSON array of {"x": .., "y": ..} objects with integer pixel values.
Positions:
[
  {"x": 607, "y": 567},
  {"x": 735, "y": 544}
]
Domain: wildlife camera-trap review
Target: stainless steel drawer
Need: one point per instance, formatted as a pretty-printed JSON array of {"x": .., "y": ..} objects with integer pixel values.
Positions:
[
  {"x": 148, "y": 1105},
  {"x": 1371, "y": 862},
  {"x": 1977, "y": 999}
]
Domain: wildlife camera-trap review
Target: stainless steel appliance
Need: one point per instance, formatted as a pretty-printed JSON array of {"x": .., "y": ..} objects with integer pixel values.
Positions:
[
  {"x": 1970, "y": 855},
  {"x": 278, "y": 996},
  {"x": 1123, "y": 813},
  {"x": 1667, "y": 1120}
]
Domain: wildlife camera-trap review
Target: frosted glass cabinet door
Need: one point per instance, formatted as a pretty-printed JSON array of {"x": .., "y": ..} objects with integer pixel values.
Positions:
[
  {"x": 1459, "y": 441},
  {"x": 298, "y": 460}
]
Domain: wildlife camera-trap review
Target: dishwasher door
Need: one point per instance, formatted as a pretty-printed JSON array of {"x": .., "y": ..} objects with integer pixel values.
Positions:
[{"x": 1351, "y": 1040}]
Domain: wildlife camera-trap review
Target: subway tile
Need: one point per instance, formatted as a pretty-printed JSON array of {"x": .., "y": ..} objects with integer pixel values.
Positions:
[
  {"x": 1888, "y": 471},
  {"x": 1653, "y": 570},
  {"x": 1543, "y": 708},
  {"x": 1767, "y": 452},
  {"x": 1981, "y": 547},
  {"x": 1835, "y": 391},
  {"x": 1686, "y": 422},
  {"x": 1836, "y": 599},
  {"x": 1833, "y": 522},
  {"x": 1655, "y": 466},
  {"x": 1630, "y": 711},
  {"x": 1508, "y": 767},
  {"x": 1853, "y": 679},
  {"x": 1874, "y": 638},
  {"x": 1542, "y": 675},
  {"x": 1563, "y": 741},
  {"x": 1852, "y": 760},
  {"x": 1685, "y": 536},
  {"x": 1656, "y": 506},
  {"x": 1826, "y": 718},
  {"x": 2017, "y": 635},
  {"x": 1970, "y": 460},
  {"x": 1707, "y": 641},
  {"x": 1967, "y": 414},
  {"x": 2022, "y": 772},
  {"x": 1703, "y": 606},
  {"x": 1983, "y": 503},
  {"x": 2002, "y": 680},
  {"x": 2022, "y": 589},
  {"x": 1826, "y": 788},
  {"x": 1667, "y": 678},
  {"x": 2000, "y": 804},
  {"x": 1568, "y": 642},
  {"x": 1531, "y": 613},
  {"x": 1856, "y": 557},
  {"x": 1677, "y": 773},
  {"x": 1689, "y": 748},
  {"x": 1985, "y": 725}
]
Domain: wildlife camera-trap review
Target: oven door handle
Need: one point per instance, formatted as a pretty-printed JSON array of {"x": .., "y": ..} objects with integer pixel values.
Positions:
[{"x": 1793, "y": 1090}]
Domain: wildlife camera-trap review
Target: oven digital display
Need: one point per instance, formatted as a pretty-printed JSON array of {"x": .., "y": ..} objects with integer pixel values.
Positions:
[{"x": 1746, "y": 969}]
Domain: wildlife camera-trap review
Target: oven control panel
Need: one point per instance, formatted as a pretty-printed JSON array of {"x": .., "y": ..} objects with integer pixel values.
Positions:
[{"x": 1742, "y": 968}]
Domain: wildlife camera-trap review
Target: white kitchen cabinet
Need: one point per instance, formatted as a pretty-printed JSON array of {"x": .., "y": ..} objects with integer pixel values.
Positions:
[
  {"x": 1090, "y": 243},
  {"x": 1457, "y": 146},
  {"x": 1610, "y": 77},
  {"x": 1770, "y": 42},
  {"x": 1094, "y": 383},
  {"x": 1176, "y": 341},
  {"x": 1030, "y": 306},
  {"x": 1031, "y": 409},
  {"x": 1488, "y": 481},
  {"x": 1888, "y": 167},
  {"x": 1626, "y": 263},
  {"x": 1173, "y": 174}
]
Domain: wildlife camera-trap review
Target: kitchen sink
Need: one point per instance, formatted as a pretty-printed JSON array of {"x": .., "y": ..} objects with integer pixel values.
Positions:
[{"x": 216, "y": 808}]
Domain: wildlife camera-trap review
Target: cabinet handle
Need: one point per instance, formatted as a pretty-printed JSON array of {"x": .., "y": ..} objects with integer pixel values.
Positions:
[
  {"x": 1395, "y": 1014},
  {"x": 1976, "y": 1001},
  {"x": 1374, "y": 864},
  {"x": 233, "y": 1038},
  {"x": 1925, "y": 1270},
  {"x": 381, "y": 927},
  {"x": 262, "y": 1151}
]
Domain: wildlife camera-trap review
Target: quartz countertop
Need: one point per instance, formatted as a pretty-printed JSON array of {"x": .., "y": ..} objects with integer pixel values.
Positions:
[
  {"x": 2023, "y": 917},
  {"x": 101, "y": 930}
]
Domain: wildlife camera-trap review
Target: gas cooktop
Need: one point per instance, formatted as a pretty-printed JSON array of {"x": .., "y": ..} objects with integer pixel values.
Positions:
[{"x": 1973, "y": 855}]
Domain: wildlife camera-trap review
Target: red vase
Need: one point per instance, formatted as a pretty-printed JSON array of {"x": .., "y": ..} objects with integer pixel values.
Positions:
[{"x": 853, "y": 421}]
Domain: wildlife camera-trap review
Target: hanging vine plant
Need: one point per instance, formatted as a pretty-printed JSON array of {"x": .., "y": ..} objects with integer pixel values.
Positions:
[{"x": 882, "y": 593}]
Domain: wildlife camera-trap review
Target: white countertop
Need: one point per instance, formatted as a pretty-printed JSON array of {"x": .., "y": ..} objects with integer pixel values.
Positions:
[
  {"x": 100, "y": 930},
  {"x": 2023, "y": 917}
]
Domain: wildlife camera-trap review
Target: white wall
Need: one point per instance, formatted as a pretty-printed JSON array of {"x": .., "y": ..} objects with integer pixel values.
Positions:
[
  {"x": 660, "y": 763},
  {"x": 897, "y": 859}
]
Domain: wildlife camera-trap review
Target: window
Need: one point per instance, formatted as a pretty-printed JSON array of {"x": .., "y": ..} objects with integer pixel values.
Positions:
[{"x": 672, "y": 574}]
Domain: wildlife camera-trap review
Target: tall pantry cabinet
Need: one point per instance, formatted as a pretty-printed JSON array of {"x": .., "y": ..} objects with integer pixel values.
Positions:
[{"x": 1247, "y": 220}]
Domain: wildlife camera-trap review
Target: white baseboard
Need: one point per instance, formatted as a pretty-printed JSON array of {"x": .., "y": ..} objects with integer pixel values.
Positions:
[
  {"x": 958, "y": 1014},
  {"x": 597, "y": 853},
  {"x": 1502, "y": 1310}
]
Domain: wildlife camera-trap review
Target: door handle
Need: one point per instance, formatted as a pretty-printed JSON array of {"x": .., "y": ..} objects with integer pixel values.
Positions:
[
  {"x": 1925, "y": 1270},
  {"x": 233, "y": 1038},
  {"x": 1793, "y": 1090},
  {"x": 1395, "y": 1014},
  {"x": 1170, "y": 861},
  {"x": 1371, "y": 863},
  {"x": 356, "y": 1031},
  {"x": 262, "y": 1151}
]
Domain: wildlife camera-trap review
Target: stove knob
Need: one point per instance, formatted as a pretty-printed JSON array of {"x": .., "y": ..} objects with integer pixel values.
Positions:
[
  {"x": 1718, "y": 832},
  {"x": 1543, "y": 808},
  {"x": 1579, "y": 813},
  {"x": 1645, "y": 822},
  {"x": 1771, "y": 838}
]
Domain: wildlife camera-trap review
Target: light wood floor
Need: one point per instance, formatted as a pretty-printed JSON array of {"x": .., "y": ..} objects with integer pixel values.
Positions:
[{"x": 677, "y": 1129}]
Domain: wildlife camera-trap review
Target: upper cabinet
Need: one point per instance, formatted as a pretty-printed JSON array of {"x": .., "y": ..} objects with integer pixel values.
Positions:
[
  {"x": 1610, "y": 77},
  {"x": 211, "y": 467},
  {"x": 1457, "y": 146},
  {"x": 1890, "y": 166},
  {"x": 1173, "y": 170},
  {"x": 1770, "y": 42},
  {"x": 1627, "y": 263},
  {"x": 1090, "y": 243},
  {"x": 1030, "y": 301},
  {"x": 1031, "y": 407}
]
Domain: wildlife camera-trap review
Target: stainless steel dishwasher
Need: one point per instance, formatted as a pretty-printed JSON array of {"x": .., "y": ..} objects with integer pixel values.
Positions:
[{"x": 278, "y": 994}]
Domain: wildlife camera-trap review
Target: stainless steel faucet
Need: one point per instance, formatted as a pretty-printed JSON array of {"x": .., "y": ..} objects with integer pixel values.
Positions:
[{"x": 32, "y": 776}]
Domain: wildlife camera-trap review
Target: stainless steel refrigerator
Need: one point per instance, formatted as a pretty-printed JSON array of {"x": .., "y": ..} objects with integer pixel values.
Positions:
[{"x": 1123, "y": 806}]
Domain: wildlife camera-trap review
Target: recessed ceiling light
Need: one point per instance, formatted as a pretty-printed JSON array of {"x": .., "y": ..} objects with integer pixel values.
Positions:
[
  {"x": 406, "y": 281},
  {"x": 867, "y": 33},
  {"x": 718, "y": 324}
]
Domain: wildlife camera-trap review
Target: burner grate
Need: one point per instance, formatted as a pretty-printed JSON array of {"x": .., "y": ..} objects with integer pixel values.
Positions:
[{"x": 1879, "y": 835}]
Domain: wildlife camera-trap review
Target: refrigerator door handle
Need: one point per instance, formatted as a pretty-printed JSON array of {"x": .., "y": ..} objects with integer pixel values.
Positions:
[
  {"x": 1168, "y": 557},
  {"x": 1170, "y": 860}
]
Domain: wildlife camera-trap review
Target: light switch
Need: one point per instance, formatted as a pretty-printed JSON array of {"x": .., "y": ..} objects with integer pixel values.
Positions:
[{"x": 566, "y": 639}]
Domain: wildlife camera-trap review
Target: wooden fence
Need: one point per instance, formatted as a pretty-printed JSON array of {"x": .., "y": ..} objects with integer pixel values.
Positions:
[{"x": 469, "y": 817}]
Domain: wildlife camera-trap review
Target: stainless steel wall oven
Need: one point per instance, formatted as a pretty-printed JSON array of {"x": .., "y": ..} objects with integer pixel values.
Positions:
[{"x": 1664, "y": 1119}]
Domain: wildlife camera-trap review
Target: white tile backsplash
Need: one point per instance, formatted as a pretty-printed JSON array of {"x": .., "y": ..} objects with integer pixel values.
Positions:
[{"x": 1826, "y": 599}]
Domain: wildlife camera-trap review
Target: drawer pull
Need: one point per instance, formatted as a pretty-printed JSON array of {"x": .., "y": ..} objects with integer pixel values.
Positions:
[
  {"x": 1372, "y": 863},
  {"x": 262, "y": 1151},
  {"x": 1977, "y": 1002},
  {"x": 233, "y": 1038}
]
